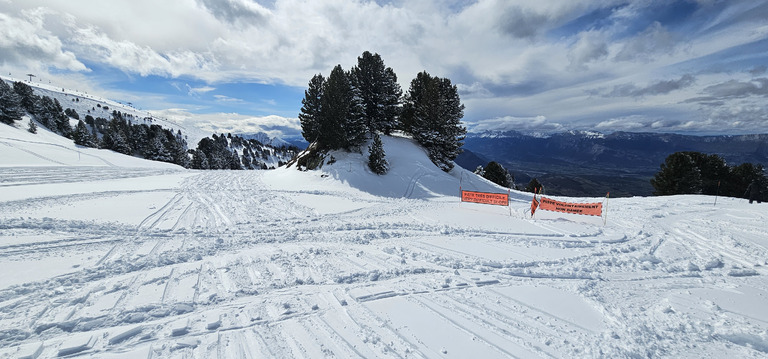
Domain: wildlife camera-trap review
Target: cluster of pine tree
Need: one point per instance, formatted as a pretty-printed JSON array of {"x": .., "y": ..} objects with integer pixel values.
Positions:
[
  {"x": 345, "y": 109},
  {"x": 699, "y": 173},
  {"x": 10, "y": 104},
  {"x": 118, "y": 134},
  {"x": 14, "y": 102},
  {"x": 224, "y": 152}
]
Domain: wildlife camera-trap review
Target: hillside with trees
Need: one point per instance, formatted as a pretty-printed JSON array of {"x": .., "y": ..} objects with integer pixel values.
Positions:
[
  {"x": 699, "y": 173},
  {"x": 125, "y": 133},
  {"x": 234, "y": 152}
]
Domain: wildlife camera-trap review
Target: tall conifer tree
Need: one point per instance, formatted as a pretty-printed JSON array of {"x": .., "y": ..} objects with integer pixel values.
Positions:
[
  {"x": 679, "y": 175},
  {"x": 28, "y": 98},
  {"x": 310, "y": 110},
  {"x": 432, "y": 114},
  {"x": 10, "y": 104},
  {"x": 82, "y": 136},
  {"x": 341, "y": 124},
  {"x": 379, "y": 91}
]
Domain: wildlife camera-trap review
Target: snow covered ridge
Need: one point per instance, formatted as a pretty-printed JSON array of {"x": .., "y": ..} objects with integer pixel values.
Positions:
[
  {"x": 96, "y": 106},
  {"x": 619, "y": 135},
  {"x": 111, "y": 262},
  {"x": 237, "y": 153},
  {"x": 264, "y": 138},
  {"x": 533, "y": 134}
]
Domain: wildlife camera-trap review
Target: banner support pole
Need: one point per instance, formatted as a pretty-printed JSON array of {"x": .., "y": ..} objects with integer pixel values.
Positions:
[
  {"x": 461, "y": 191},
  {"x": 533, "y": 210},
  {"x": 718, "y": 192},
  {"x": 605, "y": 219}
]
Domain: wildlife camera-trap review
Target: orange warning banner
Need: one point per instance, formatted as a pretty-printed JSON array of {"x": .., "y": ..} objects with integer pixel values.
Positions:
[
  {"x": 499, "y": 199},
  {"x": 589, "y": 209},
  {"x": 534, "y": 205}
]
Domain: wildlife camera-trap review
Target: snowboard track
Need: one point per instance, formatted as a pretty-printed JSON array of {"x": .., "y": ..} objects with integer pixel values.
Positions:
[{"x": 226, "y": 267}]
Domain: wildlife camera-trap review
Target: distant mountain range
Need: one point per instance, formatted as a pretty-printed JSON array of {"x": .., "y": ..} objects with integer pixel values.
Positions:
[
  {"x": 579, "y": 163},
  {"x": 265, "y": 139}
]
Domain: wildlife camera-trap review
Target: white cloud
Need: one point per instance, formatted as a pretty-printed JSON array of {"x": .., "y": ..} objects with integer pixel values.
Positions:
[
  {"x": 652, "y": 42},
  {"x": 523, "y": 124},
  {"x": 591, "y": 46},
  {"x": 201, "y": 125},
  {"x": 196, "y": 91},
  {"x": 274, "y": 126},
  {"x": 222, "y": 98},
  {"x": 474, "y": 90},
  {"x": 25, "y": 40},
  {"x": 134, "y": 58},
  {"x": 509, "y": 58},
  {"x": 628, "y": 123}
]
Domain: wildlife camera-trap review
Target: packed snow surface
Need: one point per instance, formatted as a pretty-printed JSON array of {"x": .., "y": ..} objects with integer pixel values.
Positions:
[{"x": 107, "y": 256}]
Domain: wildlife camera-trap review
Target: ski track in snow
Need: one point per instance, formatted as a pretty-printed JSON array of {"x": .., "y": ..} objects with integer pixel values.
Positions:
[{"x": 225, "y": 266}]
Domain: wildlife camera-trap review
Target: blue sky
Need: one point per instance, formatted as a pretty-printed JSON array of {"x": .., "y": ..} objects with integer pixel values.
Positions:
[
  {"x": 687, "y": 66},
  {"x": 153, "y": 92}
]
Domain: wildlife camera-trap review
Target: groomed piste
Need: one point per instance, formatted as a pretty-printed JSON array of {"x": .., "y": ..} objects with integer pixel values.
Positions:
[{"x": 107, "y": 256}]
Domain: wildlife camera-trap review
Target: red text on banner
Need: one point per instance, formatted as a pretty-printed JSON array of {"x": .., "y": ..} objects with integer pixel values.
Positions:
[
  {"x": 589, "y": 209},
  {"x": 499, "y": 199}
]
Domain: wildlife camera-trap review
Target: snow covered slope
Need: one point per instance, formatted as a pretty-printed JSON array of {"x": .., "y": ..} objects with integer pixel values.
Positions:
[
  {"x": 137, "y": 263},
  {"x": 96, "y": 106},
  {"x": 19, "y": 148}
]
